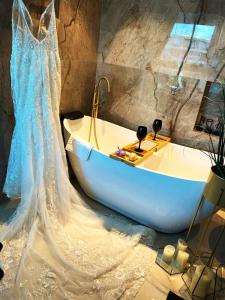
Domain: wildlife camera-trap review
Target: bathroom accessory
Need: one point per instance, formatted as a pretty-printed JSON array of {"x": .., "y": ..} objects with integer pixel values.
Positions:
[
  {"x": 198, "y": 278},
  {"x": 177, "y": 262},
  {"x": 213, "y": 193},
  {"x": 181, "y": 260},
  {"x": 82, "y": 148},
  {"x": 131, "y": 154},
  {"x": 157, "y": 126},
  {"x": 201, "y": 281},
  {"x": 95, "y": 108},
  {"x": 161, "y": 192},
  {"x": 74, "y": 115},
  {"x": 203, "y": 274},
  {"x": 141, "y": 134},
  {"x": 181, "y": 245},
  {"x": 168, "y": 253},
  {"x": 120, "y": 152}
]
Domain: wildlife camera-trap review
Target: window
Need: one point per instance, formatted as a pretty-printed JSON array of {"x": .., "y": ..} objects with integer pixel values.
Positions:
[
  {"x": 202, "y": 32},
  {"x": 196, "y": 63}
]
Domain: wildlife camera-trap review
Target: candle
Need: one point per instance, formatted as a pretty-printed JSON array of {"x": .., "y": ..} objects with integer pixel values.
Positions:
[
  {"x": 168, "y": 253},
  {"x": 203, "y": 283},
  {"x": 181, "y": 245},
  {"x": 132, "y": 156},
  {"x": 181, "y": 260}
]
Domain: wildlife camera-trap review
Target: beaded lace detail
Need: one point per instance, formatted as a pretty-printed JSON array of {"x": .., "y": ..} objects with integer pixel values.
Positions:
[{"x": 55, "y": 246}]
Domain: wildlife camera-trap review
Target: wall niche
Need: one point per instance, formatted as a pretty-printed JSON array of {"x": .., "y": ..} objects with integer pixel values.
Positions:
[{"x": 211, "y": 109}]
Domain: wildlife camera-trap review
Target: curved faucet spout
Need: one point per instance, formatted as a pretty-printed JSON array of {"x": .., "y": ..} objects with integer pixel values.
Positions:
[
  {"x": 95, "y": 107},
  {"x": 101, "y": 80}
]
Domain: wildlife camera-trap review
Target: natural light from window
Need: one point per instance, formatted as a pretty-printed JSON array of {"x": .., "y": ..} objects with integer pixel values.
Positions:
[
  {"x": 202, "y": 32},
  {"x": 196, "y": 62}
]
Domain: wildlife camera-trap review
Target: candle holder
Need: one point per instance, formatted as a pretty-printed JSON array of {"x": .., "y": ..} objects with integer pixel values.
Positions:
[
  {"x": 195, "y": 288},
  {"x": 172, "y": 268},
  {"x": 204, "y": 278},
  {"x": 213, "y": 193}
]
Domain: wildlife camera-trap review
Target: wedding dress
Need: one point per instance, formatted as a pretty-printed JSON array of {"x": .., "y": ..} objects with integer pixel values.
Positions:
[{"x": 56, "y": 244}]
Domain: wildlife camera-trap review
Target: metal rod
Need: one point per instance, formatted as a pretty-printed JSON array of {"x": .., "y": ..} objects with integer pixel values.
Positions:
[
  {"x": 92, "y": 114},
  {"x": 95, "y": 109},
  {"x": 210, "y": 259},
  {"x": 194, "y": 218},
  {"x": 203, "y": 270},
  {"x": 214, "y": 290},
  {"x": 216, "y": 245},
  {"x": 203, "y": 235}
]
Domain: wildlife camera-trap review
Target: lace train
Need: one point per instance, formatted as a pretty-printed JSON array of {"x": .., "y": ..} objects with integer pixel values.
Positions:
[{"x": 100, "y": 256}]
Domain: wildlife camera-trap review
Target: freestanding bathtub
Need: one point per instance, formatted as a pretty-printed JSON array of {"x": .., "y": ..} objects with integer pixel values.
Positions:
[{"x": 161, "y": 192}]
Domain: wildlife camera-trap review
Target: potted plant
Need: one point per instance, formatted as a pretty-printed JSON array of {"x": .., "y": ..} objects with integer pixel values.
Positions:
[{"x": 215, "y": 187}]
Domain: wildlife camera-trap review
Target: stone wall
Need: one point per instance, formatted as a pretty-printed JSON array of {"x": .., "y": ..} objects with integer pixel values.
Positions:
[
  {"x": 141, "y": 53},
  {"x": 78, "y": 33}
]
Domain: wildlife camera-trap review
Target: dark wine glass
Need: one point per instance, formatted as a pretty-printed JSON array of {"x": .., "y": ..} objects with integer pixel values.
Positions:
[
  {"x": 141, "y": 134},
  {"x": 157, "y": 125},
  {"x": 1, "y": 274}
]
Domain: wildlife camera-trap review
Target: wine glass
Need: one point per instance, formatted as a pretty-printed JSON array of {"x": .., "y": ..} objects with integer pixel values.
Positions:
[
  {"x": 141, "y": 134},
  {"x": 157, "y": 125}
]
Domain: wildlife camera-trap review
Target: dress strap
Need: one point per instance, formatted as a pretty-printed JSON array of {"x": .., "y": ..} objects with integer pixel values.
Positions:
[
  {"x": 19, "y": 16},
  {"x": 26, "y": 19}
]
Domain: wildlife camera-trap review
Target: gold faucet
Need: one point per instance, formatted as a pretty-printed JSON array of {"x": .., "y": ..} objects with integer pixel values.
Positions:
[{"x": 95, "y": 107}]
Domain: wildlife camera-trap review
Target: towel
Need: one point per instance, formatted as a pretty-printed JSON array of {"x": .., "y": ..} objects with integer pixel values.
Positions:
[{"x": 79, "y": 147}]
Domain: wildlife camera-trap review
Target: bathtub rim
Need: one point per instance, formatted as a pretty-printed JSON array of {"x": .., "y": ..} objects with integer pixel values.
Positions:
[{"x": 74, "y": 135}]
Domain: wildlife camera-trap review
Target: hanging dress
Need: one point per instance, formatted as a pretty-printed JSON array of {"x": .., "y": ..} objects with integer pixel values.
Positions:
[
  {"x": 37, "y": 164},
  {"x": 59, "y": 247}
]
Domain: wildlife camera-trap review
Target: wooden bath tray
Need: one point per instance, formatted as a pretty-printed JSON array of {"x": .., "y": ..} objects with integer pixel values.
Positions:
[{"x": 148, "y": 145}]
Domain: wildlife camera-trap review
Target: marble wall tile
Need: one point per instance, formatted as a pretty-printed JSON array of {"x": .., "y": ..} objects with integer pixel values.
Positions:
[
  {"x": 124, "y": 105},
  {"x": 141, "y": 58},
  {"x": 78, "y": 34},
  {"x": 78, "y": 81},
  {"x": 142, "y": 27},
  {"x": 78, "y": 23},
  {"x": 79, "y": 29}
]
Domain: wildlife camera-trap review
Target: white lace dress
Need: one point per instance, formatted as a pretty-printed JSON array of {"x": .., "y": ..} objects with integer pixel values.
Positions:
[{"x": 56, "y": 247}]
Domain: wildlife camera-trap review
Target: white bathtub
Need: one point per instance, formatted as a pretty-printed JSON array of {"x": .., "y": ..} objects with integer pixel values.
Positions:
[{"x": 162, "y": 192}]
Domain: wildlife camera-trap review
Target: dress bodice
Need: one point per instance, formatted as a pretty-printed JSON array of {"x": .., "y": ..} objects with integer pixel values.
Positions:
[
  {"x": 23, "y": 27},
  {"x": 35, "y": 60}
]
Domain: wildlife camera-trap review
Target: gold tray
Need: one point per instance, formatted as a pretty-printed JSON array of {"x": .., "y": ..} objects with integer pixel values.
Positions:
[{"x": 160, "y": 142}]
